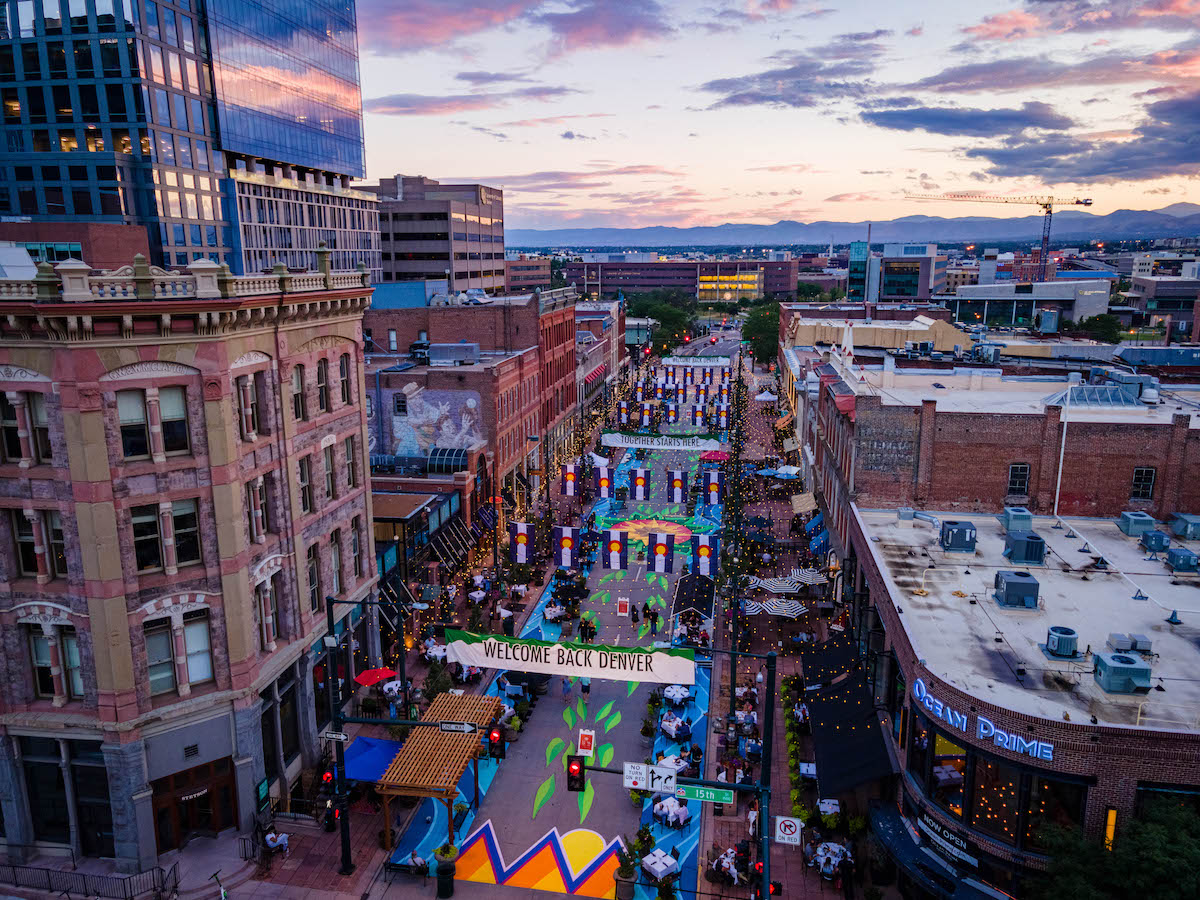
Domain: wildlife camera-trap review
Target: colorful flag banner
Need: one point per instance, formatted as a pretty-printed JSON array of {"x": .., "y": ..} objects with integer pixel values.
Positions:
[
  {"x": 677, "y": 485},
  {"x": 724, "y": 393},
  {"x": 604, "y": 481},
  {"x": 570, "y": 480},
  {"x": 658, "y": 391},
  {"x": 520, "y": 542},
  {"x": 702, "y": 393},
  {"x": 689, "y": 376},
  {"x": 661, "y": 552},
  {"x": 672, "y": 413},
  {"x": 623, "y": 412},
  {"x": 639, "y": 484},
  {"x": 704, "y": 554},
  {"x": 714, "y": 487},
  {"x": 616, "y": 548},
  {"x": 726, "y": 374},
  {"x": 639, "y": 393},
  {"x": 698, "y": 416},
  {"x": 706, "y": 376},
  {"x": 681, "y": 393},
  {"x": 722, "y": 415},
  {"x": 566, "y": 546}
]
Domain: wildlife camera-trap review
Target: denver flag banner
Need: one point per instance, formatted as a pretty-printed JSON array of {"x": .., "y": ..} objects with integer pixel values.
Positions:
[
  {"x": 520, "y": 542},
  {"x": 647, "y": 414},
  {"x": 698, "y": 416},
  {"x": 689, "y": 376},
  {"x": 672, "y": 413},
  {"x": 706, "y": 376},
  {"x": 639, "y": 393},
  {"x": 661, "y": 552},
  {"x": 566, "y": 546},
  {"x": 604, "y": 481},
  {"x": 714, "y": 487},
  {"x": 658, "y": 391},
  {"x": 616, "y": 548},
  {"x": 702, "y": 393},
  {"x": 704, "y": 554},
  {"x": 681, "y": 393},
  {"x": 722, "y": 415},
  {"x": 724, "y": 393},
  {"x": 639, "y": 484},
  {"x": 623, "y": 412},
  {"x": 570, "y": 480},
  {"x": 677, "y": 486}
]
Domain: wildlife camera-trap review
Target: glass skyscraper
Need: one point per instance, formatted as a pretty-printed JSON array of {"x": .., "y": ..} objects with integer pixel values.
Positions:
[{"x": 230, "y": 129}]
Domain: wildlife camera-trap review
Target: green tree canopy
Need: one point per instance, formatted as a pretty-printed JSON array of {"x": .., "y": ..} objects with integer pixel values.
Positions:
[
  {"x": 1104, "y": 327},
  {"x": 674, "y": 310},
  {"x": 1159, "y": 853},
  {"x": 761, "y": 329}
]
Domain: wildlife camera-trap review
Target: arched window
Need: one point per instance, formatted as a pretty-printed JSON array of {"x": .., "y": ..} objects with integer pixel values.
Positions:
[{"x": 323, "y": 385}]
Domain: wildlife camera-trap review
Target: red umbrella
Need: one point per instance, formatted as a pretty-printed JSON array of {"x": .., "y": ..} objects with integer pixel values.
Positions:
[
  {"x": 373, "y": 676},
  {"x": 714, "y": 456}
]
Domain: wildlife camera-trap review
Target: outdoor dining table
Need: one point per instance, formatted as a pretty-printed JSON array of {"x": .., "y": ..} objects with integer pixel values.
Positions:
[
  {"x": 437, "y": 651},
  {"x": 393, "y": 688},
  {"x": 808, "y": 770},
  {"x": 725, "y": 863},
  {"x": 553, "y": 612},
  {"x": 676, "y": 693},
  {"x": 477, "y": 596},
  {"x": 679, "y": 764},
  {"x": 659, "y": 863},
  {"x": 827, "y": 807},
  {"x": 830, "y": 853},
  {"x": 673, "y": 726}
]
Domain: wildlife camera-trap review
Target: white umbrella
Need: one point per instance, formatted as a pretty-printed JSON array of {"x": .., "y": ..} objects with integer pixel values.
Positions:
[
  {"x": 477, "y": 595},
  {"x": 791, "y": 609},
  {"x": 766, "y": 396},
  {"x": 598, "y": 460},
  {"x": 788, "y": 470},
  {"x": 808, "y": 576},
  {"x": 775, "y": 585}
]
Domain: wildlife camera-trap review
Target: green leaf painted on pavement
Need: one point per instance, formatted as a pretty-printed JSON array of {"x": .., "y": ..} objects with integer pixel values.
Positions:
[
  {"x": 617, "y": 575},
  {"x": 612, "y": 723},
  {"x": 581, "y": 709},
  {"x": 585, "y": 801},
  {"x": 604, "y": 711},
  {"x": 605, "y": 753},
  {"x": 569, "y": 717},
  {"x": 554, "y": 748},
  {"x": 662, "y": 579},
  {"x": 650, "y": 578},
  {"x": 544, "y": 792},
  {"x": 643, "y": 630},
  {"x": 633, "y": 686},
  {"x": 595, "y": 596},
  {"x": 570, "y": 752}
]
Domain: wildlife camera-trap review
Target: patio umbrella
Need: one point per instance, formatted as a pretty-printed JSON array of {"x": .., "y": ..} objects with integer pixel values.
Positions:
[
  {"x": 790, "y": 609},
  {"x": 759, "y": 537},
  {"x": 373, "y": 676},
  {"x": 808, "y": 576},
  {"x": 766, "y": 472},
  {"x": 758, "y": 522},
  {"x": 477, "y": 595},
  {"x": 775, "y": 585},
  {"x": 766, "y": 397},
  {"x": 714, "y": 456},
  {"x": 789, "y": 470},
  {"x": 786, "y": 476}
]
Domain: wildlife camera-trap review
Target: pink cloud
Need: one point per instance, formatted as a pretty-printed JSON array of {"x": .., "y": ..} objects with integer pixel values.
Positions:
[
  {"x": 1067, "y": 16},
  {"x": 389, "y": 28},
  {"x": 444, "y": 104},
  {"x": 553, "y": 120},
  {"x": 853, "y": 197},
  {"x": 605, "y": 23},
  {"x": 1006, "y": 26}
]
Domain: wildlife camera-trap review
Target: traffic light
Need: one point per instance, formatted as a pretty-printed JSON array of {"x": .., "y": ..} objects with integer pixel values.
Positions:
[
  {"x": 327, "y": 776},
  {"x": 775, "y": 889},
  {"x": 576, "y": 779},
  {"x": 496, "y": 745}
]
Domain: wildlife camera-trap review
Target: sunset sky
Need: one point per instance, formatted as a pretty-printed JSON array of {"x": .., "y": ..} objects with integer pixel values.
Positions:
[{"x": 637, "y": 112}]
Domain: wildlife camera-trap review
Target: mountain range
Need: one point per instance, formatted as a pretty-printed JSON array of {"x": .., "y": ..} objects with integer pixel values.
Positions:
[{"x": 1176, "y": 220}]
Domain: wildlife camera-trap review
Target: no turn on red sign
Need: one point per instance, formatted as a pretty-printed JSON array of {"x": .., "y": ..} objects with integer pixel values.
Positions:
[{"x": 787, "y": 830}]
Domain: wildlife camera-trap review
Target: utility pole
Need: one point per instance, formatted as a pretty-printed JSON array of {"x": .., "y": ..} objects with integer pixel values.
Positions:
[
  {"x": 335, "y": 709},
  {"x": 736, "y": 497},
  {"x": 764, "y": 779}
]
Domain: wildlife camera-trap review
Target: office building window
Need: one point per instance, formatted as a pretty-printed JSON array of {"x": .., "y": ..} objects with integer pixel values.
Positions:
[
  {"x": 400, "y": 404},
  {"x": 314, "y": 577},
  {"x": 10, "y": 439},
  {"x": 147, "y": 549},
  {"x": 135, "y": 434},
  {"x": 1143, "y": 483},
  {"x": 356, "y": 547},
  {"x": 172, "y": 404},
  {"x": 26, "y": 545},
  {"x": 351, "y": 464},
  {"x": 305, "y": 479},
  {"x": 41, "y": 428},
  {"x": 39, "y": 652},
  {"x": 299, "y": 402},
  {"x": 187, "y": 532},
  {"x": 323, "y": 385},
  {"x": 330, "y": 477},
  {"x": 1018, "y": 478},
  {"x": 344, "y": 377},
  {"x": 58, "y": 545},
  {"x": 72, "y": 666},
  {"x": 335, "y": 559},
  {"x": 197, "y": 645},
  {"x": 160, "y": 657}
]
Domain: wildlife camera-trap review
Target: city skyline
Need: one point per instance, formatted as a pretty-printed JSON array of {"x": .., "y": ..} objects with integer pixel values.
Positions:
[{"x": 596, "y": 113}]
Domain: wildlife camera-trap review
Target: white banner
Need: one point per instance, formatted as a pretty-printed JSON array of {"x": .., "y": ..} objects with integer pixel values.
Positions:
[
  {"x": 702, "y": 362},
  {"x": 658, "y": 441},
  {"x": 490, "y": 651}
]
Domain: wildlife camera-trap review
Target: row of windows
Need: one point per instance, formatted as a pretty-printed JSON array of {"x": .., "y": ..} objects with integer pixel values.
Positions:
[
  {"x": 481, "y": 238},
  {"x": 299, "y": 392},
  {"x": 304, "y": 474},
  {"x": 316, "y": 592},
  {"x": 21, "y": 19},
  {"x": 413, "y": 217},
  {"x": 1141, "y": 487}
]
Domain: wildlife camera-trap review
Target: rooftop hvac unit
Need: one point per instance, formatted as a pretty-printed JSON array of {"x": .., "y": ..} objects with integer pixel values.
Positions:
[
  {"x": 1155, "y": 541},
  {"x": 1016, "y": 518},
  {"x": 1120, "y": 673},
  {"x": 1133, "y": 522},
  {"x": 1025, "y": 548},
  {"x": 1185, "y": 525},
  {"x": 1141, "y": 643},
  {"x": 1181, "y": 559},
  {"x": 1016, "y": 589},
  {"x": 1061, "y": 641},
  {"x": 1119, "y": 643},
  {"x": 958, "y": 537},
  {"x": 460, "y": 354}
]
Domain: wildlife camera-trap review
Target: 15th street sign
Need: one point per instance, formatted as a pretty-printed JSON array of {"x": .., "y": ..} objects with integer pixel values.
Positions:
[{"x": 703, "y": 794}]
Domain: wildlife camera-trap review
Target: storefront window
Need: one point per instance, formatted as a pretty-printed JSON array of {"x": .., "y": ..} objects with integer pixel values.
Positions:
[
  {"x": 896, "y": 702},
  {"x": 320, "y": 699},
  {"x": 269, "y": 751},
  {"x": 918, "y": 748},
  {"x": 47, "y": 793},
  {"x": 289, "y": 723},
  {"x": 996, "y": 799},
  {"x": 949, "y": 775},
  {"x": 1052, "y": 802},
  {"x": 1176, "y": 795},
  {"x": 92, "y": 804}
]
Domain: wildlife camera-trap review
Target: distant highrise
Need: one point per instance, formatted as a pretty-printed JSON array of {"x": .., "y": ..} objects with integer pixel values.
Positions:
[{"x": 230, "y": 135}]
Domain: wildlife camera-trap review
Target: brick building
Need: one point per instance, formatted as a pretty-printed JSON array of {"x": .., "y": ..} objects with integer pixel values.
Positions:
[
  {"x": 526, "y": 273},
  {"x": 603, "y": 278},
  {"x": 995, "y": 727},
  {"x": 183, "y": 483},
  {"x": 105, "y": 245}
]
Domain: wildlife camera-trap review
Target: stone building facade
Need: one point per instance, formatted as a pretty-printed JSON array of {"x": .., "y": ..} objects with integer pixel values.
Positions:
[{"x": 183, "y": 483}]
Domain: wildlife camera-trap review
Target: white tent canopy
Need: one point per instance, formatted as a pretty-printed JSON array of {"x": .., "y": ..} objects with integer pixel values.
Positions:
[{"x": 766, "y": 396}]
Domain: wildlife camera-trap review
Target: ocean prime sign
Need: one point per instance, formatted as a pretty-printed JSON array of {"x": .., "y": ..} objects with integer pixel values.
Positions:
[
  {"x": 985, "y": 728},
  {"x": 671, "y": 666}
]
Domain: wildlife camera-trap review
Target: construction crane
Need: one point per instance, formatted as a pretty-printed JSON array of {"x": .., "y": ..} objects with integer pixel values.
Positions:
[{"x": 1046, "y": 203}]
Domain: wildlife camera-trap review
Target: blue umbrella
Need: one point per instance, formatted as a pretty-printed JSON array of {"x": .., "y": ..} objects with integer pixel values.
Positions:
[
  {"x": 767, "y": 472},
  {"x": 783, "y": 477}
]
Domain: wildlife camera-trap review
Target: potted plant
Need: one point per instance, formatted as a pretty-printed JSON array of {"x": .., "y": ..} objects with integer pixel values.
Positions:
[
  {"x": 512, "y": 729},
  {"x": 666, "y": 887},
  {"x": 460, "y": 813},
  {"x": 522, "y": 709},
  {"x": 625, "y": 875},
  {"x": 636, "y": 797},
  {"x": 829, "y": 821},
  {"x": 644, "y": 840},
  {"x": 805, "y": 814},
  {"x": 446, "y": 855},
  {"x": 883, "y": 868},
  {"x": 647, "y": 732},
  {"x": 856, "y": 825}
]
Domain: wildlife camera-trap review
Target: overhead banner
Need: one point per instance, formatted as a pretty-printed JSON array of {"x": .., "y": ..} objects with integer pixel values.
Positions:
[
  {"x": 671, "y": 666},
  {"x": 698, "y": 362},
  {"x": 658, "y": 441}
]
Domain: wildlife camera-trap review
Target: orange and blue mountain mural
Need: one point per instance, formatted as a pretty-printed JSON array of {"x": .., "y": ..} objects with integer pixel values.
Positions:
[{"x": 579, "y": 862}]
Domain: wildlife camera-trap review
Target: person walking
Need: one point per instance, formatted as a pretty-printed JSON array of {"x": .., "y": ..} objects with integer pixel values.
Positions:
[
  {"x": 646, "y": 611},
  {"x": 585, "y": 688},
  {"x": 566, "y": 689},
  {"x": 654, "y": 621},
  {"x": 633, "y": 613}
]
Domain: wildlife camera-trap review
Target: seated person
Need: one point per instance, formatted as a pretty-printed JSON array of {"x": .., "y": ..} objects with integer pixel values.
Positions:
[
  {"x": 810, "y": 852},
  {"x": 827, "y": 867},
  {"x": 474, "y": 674},
  {"x": 417, "y": 862},
  {"x": 681, "y": 813},
  {"x": 754, "y": 748},
  {"x": 277, "y": 840},
  {"x": 721, "y": 776},
  {"x": 659, "y": 757}
]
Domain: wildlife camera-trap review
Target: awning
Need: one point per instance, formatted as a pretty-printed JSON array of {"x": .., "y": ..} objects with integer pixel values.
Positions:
[
  {"x": 931, "y": 874},
  {"x": 790, "y": 444},
  {"x": 694, "y": 593},
  {"x": 802, "y": 503},
  {"x": 368, "y": 758},
  {"x": 847, "y": 738},
  {"x": 596, "y": 373},
  {"x": 820, "y": 543},
  {"x": 714, "y": 456},
  {"x": 813, "y": 526},
  {"x": 783, "y": 421}
]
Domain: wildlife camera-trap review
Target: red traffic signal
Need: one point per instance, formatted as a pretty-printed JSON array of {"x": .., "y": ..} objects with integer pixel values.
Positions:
[
  {"x": 327, "y": 776},
  {"x": 496, "y": 746},
  {"x": 576, "y": 779},
  {"x": 758, "y": 867},
  {"x": 687, "y": 338}
]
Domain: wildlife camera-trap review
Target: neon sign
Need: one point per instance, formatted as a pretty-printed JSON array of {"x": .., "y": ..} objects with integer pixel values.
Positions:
[{"x": 985, "y": 728}]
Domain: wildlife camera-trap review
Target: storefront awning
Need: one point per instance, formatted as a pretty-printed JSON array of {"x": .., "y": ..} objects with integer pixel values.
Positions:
[
  {"x": 790, "y": 444},
  {"x": 368, "y": 758},
  {"x": 922, "y": 867},
  {"x": 847, "y": 739},
  {"x": 802, "y": 503},
  {"x": 596, "y": 373},
  {"x": 783, "y": 421}
]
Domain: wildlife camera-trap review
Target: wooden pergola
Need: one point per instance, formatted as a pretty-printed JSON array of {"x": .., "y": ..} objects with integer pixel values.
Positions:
[{"x": 432, "y": 761}]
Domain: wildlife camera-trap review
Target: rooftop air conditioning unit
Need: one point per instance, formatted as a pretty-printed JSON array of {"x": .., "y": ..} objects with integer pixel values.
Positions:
[
  {"x": 1133, "y": 522},
  {"x": 1016, "y": 518},
  {"x": 1024, "y": 548},
  {"x": 1061, "y": 641},
  {"x": 958, "y": 537},
  {"x": 1119, "y": 643},
  {"x": 1181, "y": 559},
  {"x": 1120, "y": 673},
  {"x": 1155, "y": 541},
  {"x": 1016, "y": 589},
  {"x": 1185, "y": 525},
  {"x": 1141, "y": 643}
]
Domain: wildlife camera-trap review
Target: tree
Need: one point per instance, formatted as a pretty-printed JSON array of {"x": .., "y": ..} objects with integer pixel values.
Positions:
[
  {"x": 1159, "y": 850},
  {"x": 806, "y": 290},
  {"x": 1104, "y": 327},
  {"x": 761, "y": 329},
  {"x": 674, "y": 310},
  {"x": 558, "y": 275}
]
